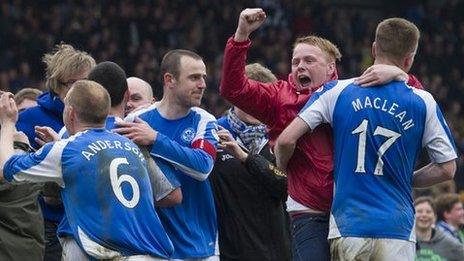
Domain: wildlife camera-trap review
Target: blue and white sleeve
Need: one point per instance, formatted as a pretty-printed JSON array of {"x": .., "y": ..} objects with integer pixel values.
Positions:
[
  {"x": 437, "y": 137},
  {"x": 197, "y": 160},
  {"x": 319, "y": 108},
  {"x": 162, "y": 179},
  {"x": 41, "y": 166},
  {"x": 63, "y": 134}
]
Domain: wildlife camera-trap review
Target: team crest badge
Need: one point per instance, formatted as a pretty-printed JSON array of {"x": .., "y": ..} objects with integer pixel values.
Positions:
[{"x": 188, "y": 135}]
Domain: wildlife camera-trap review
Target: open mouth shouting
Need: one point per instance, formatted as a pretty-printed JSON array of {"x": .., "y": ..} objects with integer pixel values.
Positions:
[{"x": 304, "y": 80}]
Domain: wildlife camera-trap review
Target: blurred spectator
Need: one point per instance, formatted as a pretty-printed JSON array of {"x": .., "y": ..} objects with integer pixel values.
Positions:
[
  {"x": 450, "y": 213},
  {"x": 433, "y": 244},
  {"x": 26, "y": 98}
]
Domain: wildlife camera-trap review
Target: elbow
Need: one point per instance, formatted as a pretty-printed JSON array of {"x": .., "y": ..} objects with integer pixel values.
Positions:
[
  {"x": 284, "y": 142},
  {"x": 204, "y": 169},
  {"x": 199, "y": 174},
  {"x": 446, "y": 170},
  {"x": 172, "y": 199},
  {"x": 177, "y": 196},
  {"x": 449, "y": 169},
  {"x": 202, "y": 176},
  {"x": 224, "y": 91}
]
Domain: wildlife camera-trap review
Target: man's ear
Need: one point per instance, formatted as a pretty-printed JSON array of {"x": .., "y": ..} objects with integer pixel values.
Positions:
[
  {"x": 408, "y": 61},
  {"x": 72, "y": 114},
  {"x": 168, "y": 79},
  {"x": 446, "y": 215},
  {"x": 331, "y": 68},
  {"x": 373, "y": 50}
]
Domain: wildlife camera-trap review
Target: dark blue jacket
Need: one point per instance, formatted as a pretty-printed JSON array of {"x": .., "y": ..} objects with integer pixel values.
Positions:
[{"x": 48, "y": 112}]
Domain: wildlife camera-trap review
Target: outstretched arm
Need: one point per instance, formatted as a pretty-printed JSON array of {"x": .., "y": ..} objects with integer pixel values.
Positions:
[
  {"x": 235, "y": 86},
  {"x": 379, "y": 74},
  {"x": 196, "y": 161},
  {"x": 382, "y": 73},
  {"x": 286, "y": 142},
  {"x": 8, "y": 118},
  {"x": 33, "y": 167}
]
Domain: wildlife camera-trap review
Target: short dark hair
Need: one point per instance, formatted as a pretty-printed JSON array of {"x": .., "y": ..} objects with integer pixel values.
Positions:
[
  {"x": 396, "y": 38},
  {"x": 445, "y": 203},
  {"x": 90, "y": 101},
  {"x": 171, "y": 61},
  {"x": 113, "y": 78},
  {"x": 425, "y": 199}
]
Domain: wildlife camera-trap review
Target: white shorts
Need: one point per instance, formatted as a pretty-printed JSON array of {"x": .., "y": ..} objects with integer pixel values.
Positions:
[
  {"x": 358, "y": 248},
  {"x": 73, "y": 252}
]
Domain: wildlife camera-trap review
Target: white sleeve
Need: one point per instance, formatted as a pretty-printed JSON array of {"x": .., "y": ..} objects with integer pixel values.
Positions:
[
  {"x": 320, "y": 107},
  {"x": 437, "y": 137},
  {"x": 41, "y": 166}
]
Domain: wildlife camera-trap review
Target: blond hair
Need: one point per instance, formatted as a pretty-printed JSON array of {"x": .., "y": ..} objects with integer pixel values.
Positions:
[
  {"x": 26, "y": 94},
  {"x": 395, "y": 38},
  {"x": 257, "y": 72},
  {"x": 63, "y": 62},
  {"x": 90, "y": 101},
  {"x": 331, "y": 50}
]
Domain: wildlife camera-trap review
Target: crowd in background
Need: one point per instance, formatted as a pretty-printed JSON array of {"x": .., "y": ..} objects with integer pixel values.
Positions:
[{"x": 135, "y": 34}]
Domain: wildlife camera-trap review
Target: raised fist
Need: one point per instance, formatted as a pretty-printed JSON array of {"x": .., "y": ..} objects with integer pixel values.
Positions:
[
  {"x": 8, "y": 110},
  {"x": 250, "y": 19}
]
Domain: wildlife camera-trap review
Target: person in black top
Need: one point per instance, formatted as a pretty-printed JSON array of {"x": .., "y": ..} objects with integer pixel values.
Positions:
[{"x": 249, "y": 191}]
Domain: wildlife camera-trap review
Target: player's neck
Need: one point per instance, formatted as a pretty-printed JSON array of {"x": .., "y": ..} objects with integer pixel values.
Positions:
[
  {"x": 86, "y": 126},
  {"x": 379, "y": 60},
  {"x": 117, "y": 111},
  {"x": 170, "y": 110}
]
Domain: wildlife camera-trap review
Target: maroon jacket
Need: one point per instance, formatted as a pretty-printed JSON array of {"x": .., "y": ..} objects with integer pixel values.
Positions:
[{"x": 309, "y": 171}]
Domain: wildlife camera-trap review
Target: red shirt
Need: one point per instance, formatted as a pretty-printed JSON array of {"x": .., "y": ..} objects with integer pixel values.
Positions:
[{"x": 309, "y": 171}]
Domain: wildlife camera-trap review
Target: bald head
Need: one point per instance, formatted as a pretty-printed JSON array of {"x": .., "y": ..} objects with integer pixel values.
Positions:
[
  {"x": 90, "y": 102},
  {"x": 141, "y": 94}
]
